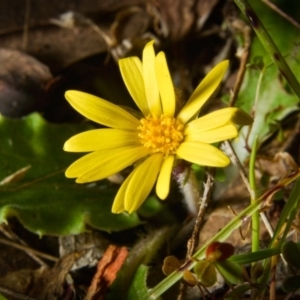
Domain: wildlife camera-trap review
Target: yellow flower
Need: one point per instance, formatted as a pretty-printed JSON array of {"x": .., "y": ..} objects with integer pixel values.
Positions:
[{"x": 155, "y": 140}]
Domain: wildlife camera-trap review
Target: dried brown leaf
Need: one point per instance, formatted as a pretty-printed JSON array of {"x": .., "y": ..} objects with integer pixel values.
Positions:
[
  {"x": 20, "y": 281},
  {"x": 16, "y": 176},
  {"x": 22, "y": 81},
  {"x": 50, "y": 285},
  {"x": 176, "y": 19},
  {"x": 55, "y": 46},
  {"x": 107, "y": 270}
]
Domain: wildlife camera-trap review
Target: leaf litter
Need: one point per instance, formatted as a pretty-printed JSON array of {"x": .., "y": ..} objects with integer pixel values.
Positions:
[{"x": 36, "y": 199}]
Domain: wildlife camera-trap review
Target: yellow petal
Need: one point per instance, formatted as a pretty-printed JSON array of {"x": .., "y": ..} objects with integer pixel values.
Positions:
[
  {"x": 215, "y": 135},
  {"x": 164, "y": 177},
  {"x": 101, "y": 139},
  {"x": 131, "y": 70},
  {"x": 142, "y": 181},
  {"x": 166, "y": 88},
  {"x": 101, "y": 164},
  {"x": 151, "y": 87},
  {"x": 202, "y": 154},
  {"x": 101, "y": 111},
  {"x": 202, "y": 93},
  {"x": 118, "y": 205},
  {"x": 217, "y": 119}
]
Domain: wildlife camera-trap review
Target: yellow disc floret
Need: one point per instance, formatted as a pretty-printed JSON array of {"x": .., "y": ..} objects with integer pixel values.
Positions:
[{"x": 161, "y": 134}]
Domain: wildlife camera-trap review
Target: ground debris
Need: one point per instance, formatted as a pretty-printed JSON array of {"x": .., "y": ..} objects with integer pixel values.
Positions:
[{"x": 107, "y": 270}]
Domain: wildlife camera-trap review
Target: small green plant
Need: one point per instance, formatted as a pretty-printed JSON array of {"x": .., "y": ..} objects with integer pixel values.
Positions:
[
  {"x": 291, "y": 254},
  {"x": 263, "y": 262}
]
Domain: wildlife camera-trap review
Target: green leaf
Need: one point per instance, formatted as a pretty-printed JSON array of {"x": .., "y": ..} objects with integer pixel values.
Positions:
[
  {"x": 141, "y": 254},
  {"x": 291, "y": 284},
  {"x": 171, "y": 264},
  {"x": 231, "y": 271},
  {"x": 138, "y": 289},
  {"x": 275, "y": 98},
  {"x": 206, "y": 272},
  {"x": 249, "y": 258},
  {"x": 291, "y": 253},
  {"x": 44, "y": 200},
  {"x": 256, "y": 271},
  {"x": 151, "y": 207},
  {"x": 237, "y": 292}
]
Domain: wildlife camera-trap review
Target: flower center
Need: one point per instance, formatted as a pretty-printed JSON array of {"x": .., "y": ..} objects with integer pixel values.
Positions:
[{"x": 161, "y": 134}]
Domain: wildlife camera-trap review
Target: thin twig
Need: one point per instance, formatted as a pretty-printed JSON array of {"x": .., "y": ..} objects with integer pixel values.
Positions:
[
  {"x": 12, "y": 236},
  {"x": 246, "y": 30},
  {"x": 26, "y": 184},
  {"x": 16, "y": 295},
  {"x": 257, "y": 93},
  {"x": 194, "y": 240},
  {"x": 281, "y": 13},
  {"x": 70, "y": 19},
  {"x": 28, "y": 249},
  {"x": 228, "y": 149}
]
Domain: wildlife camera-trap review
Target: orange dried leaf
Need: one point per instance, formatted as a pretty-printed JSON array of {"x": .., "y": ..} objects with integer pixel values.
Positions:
[{"x": 107, "y": 269}]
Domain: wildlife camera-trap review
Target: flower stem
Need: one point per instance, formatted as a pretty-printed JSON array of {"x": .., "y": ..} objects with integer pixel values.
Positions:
[
  {"x": 190, "y": 189},
  {"x": 290, "y": 210},
  {"x": 220, "y": 236},
  {"x": 252, "y": 181}
]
